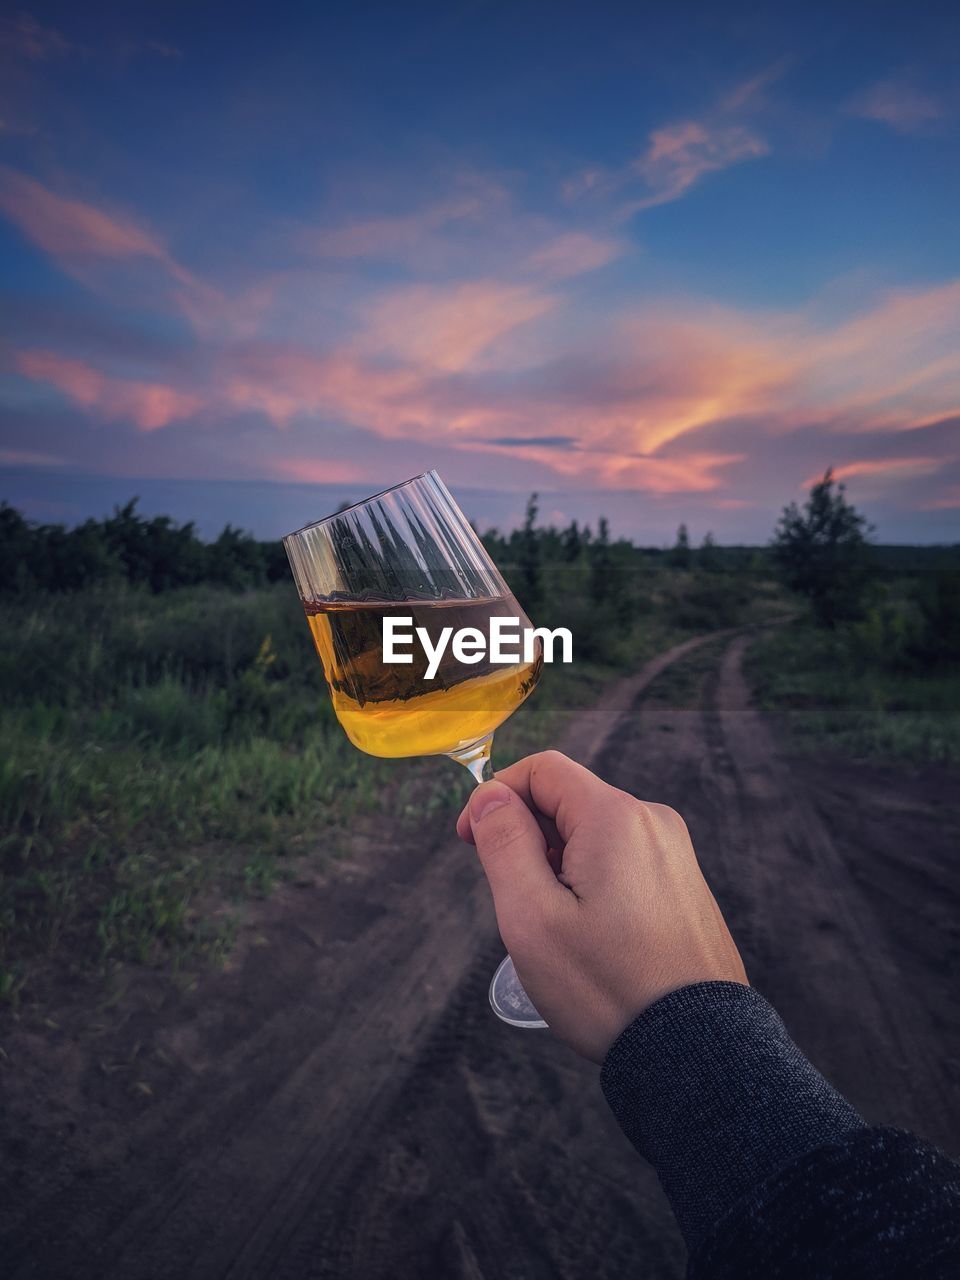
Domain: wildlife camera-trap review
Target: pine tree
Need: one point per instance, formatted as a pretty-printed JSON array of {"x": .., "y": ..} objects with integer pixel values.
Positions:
[
  {"x": 530, "y": 556},
  {"x": 707, "y": 557},
  {"x": 571, "y": 543},
  {"x": 823, "y": 553},
  {"x": 680, "y": 555},
  {"x": 601, "y": 565}
]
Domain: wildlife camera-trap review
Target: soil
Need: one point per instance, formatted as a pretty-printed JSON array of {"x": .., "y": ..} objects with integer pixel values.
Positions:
[{"x": 342, "y": 1103}]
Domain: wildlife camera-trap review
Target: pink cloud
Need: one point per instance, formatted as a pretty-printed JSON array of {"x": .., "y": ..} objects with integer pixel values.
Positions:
[
  {"x": 572, "y": 253},
  {"x": 949, "y": 500},
  {"x": 318, "y": 471},
  {"x": 448, "y": 327},
  {"x": 669, "y": 372},
  {"x": 731, "y": 504},
  {"x": 24, "y": 37},
  {"x": 74, "y": 378},
  {"x": 473, "y": 232},
  {"x": 693, "y": 473},
  {"x": 679, "y": 155},
  {"x": 443, "y": 366},
  {"x": 86, "y": 241},
  {"x": 612, "y": 401},
  {"x": 284, "y": 381},
  {"x": 69, "y": 229},
  {"x": 666, "y": 373},
  {"x": 895, "y": 360},
  {"x": 149, "y": 405},
  {"x": 416, "y": 402},
  {"x": 882, "y": 468},
  {"x": 748, "y": 91},
  {"x": 215, "y": 315},
  {"x": 902, "y": 107},
  {"x": 396, "y": 235},
  {"x": 29, "y": 458},
  {"x": 580, "y": 184},
  {"x": 114, "y": 253}
]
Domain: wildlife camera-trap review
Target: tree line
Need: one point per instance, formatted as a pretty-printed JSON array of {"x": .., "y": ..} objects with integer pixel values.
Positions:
[
  {"x": 155, "y": 553},
  {"x": 822, "y": 551},
  {"x": 159, "y": 554}
]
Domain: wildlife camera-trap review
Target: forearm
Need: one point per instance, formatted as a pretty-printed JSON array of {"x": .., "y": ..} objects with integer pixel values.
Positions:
[
  {"x": 708, "y": 1086},
  {"x": 756, "y": 1151},
  {"x": 877, "y": 1203}
]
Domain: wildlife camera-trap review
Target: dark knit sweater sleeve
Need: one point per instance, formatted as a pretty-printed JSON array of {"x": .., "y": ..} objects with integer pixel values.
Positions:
[{"x": 769, "y": 1171}]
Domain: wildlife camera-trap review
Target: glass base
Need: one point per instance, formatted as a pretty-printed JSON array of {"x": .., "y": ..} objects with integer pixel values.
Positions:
[{"x": 510, "y": 1002}]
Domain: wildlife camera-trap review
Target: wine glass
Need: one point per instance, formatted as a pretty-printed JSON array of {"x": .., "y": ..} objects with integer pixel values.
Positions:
[{"x": 410, "y": 552}]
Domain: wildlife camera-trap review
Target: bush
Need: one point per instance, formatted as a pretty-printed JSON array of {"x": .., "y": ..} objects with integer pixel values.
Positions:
[
  {"x": 886, "y": 636},
  {"x": 704, "y": 601},
  {"x": 938, "y": 600}
]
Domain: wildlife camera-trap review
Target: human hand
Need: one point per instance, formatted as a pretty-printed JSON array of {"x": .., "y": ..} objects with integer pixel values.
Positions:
[{"x": 599, "y": 897}]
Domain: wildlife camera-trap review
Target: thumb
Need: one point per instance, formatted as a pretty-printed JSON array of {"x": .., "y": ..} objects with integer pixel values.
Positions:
[{"x": 511, "y": 847}]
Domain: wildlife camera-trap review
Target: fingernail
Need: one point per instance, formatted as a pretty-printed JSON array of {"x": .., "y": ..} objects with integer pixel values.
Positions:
[{"x": 493, "y": 795}]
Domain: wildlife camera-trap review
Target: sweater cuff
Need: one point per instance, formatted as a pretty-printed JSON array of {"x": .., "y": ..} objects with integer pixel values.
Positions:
[{"x": 709, "y": 1087}]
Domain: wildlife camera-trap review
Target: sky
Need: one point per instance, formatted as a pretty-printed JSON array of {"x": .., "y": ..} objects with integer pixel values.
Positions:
[{"x": 664, "y": 262}]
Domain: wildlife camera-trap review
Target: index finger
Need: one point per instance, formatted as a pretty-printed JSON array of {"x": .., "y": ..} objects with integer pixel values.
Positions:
[{"x": 556, "y": 786}]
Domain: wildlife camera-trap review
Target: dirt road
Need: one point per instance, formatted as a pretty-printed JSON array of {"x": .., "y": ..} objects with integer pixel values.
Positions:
[{"x": 343, "y": 1104}]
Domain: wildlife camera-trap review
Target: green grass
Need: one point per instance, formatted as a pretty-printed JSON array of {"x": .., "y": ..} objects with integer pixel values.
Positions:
[
  {"x": 164, "y": 752},
  {"x": 831, "y": 697}
]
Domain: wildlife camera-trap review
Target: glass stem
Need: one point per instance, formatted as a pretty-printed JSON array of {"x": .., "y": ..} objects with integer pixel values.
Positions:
[
  {"x": 508, "y": 999},
  {"x": 476, "y": 759},
  {"x": 482, "y": 770}
]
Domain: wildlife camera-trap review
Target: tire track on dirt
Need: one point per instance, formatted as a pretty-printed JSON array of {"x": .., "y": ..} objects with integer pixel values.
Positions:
[
  {"x": 843, "y": 978},
  {"x": 237, "y": 1169},
  {"x": 817, "y": 885}
]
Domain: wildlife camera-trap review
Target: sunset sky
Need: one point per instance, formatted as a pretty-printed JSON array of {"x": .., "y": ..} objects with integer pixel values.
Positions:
[{"x": 663, "y": 261}]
